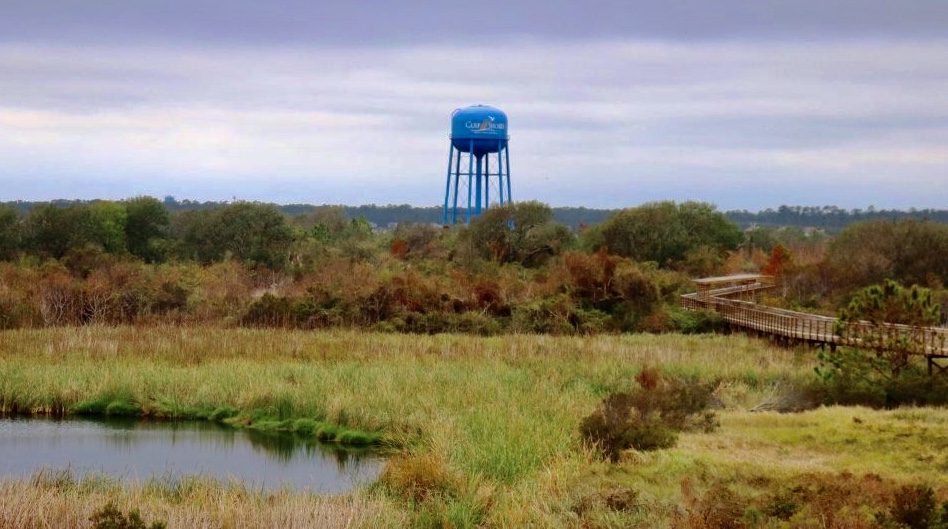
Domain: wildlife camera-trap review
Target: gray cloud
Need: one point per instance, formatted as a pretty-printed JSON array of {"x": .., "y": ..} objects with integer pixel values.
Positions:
[
  {"x": 608, "y": 122},
  {"x": 421, "y": 21}
]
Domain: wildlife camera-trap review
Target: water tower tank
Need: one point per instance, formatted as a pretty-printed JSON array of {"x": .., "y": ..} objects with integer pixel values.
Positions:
[
  {"x": 480, "y": 129},
  {"x": 478, "y": 161}
]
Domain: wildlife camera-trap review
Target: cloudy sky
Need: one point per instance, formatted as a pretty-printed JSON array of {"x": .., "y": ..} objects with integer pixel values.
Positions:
[{"x": 747, "y": 104}]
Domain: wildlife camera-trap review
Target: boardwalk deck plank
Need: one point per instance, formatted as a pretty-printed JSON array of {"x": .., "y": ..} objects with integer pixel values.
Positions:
[{"x": 739, "y": 306}]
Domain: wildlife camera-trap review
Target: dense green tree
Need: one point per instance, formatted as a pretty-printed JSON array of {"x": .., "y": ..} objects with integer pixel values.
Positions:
[
  {"x": 249, "y": 232},
  {"x": 706, "y": 226},
  {"x": 760, "y": 238},
  {"x": 650, "y": 232},
  {"x": 908, "y": 251},
  {"x": 51, "y": 230},
  {"x": 191, "y": 236},
  {"x": 521, "y": 232},
  {"x": 665, "y": 233},
  {"x": 327, "y": 223},
  {"x": 890, "y": 302},
  {"x": 103, "y": 227},
  {"x": 55, "y": 231},
  {"x": 10, "y": 232},
  {"x": 146, "y": 228}
]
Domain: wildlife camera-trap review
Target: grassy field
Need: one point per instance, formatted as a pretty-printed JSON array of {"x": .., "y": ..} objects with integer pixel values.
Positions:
[{"x": 483, "y": 431}]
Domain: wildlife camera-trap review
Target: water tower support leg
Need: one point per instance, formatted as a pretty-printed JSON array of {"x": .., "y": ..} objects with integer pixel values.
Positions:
[
  {"x": 507, "y": 154},
  {"x": 447, "y": 186},
  {"x": 480, "y": 184},
  {"x": 470, "y": 180},
  {"x": 486, "y": 181},
  {"x": 500, "y": 171},
  {"x": 457, "y": 178}
]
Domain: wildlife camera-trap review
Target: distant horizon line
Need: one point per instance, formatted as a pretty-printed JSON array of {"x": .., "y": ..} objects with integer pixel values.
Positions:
[{"x": 164, "y": 199}]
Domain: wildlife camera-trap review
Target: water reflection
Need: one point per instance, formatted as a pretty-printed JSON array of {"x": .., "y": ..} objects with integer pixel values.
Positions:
[
  {"x": 135, "y": 449},
  {"x": 286, "y": 446}
]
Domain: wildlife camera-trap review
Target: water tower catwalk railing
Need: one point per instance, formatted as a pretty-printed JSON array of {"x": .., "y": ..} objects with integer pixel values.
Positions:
[
  {"x": 478, "y": 162},
  {"x": 477, "y": 179}
]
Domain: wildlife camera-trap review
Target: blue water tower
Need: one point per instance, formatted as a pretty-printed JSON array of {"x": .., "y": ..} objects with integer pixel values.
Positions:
[{"x": 478, "y": 135}]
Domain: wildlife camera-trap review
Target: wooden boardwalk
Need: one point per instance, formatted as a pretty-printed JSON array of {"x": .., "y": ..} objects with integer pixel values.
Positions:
[{"x": 736, "y": 299}]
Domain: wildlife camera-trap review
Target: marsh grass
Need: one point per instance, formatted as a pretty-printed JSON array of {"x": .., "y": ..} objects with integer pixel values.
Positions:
[
  {"x": 65, "y": 500},
  {"x": 491, "y": 422},
  {"x": 902, "y": 443}
]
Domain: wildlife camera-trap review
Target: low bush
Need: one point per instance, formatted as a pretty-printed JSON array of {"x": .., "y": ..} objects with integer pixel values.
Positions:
[
  {"x": 914, "y": 506},
  {"x": 553, "y": 315},
  {"x": 697, "y": 322},
  {"x": 110, "y": 517},
  {"x": 650, "y": 417}
]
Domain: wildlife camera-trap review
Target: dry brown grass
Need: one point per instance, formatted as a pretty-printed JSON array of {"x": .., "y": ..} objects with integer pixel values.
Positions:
[{"x": 25, "y": 504}]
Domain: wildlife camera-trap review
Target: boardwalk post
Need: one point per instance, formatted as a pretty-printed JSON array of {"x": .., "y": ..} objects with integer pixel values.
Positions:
[{"x": 932, "y": 364}]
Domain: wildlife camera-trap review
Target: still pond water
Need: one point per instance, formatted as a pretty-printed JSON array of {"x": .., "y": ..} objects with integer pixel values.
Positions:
[{"x": 137, "y": 450}]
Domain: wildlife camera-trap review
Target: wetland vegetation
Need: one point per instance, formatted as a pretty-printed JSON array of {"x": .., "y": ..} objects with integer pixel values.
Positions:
[
  {"x": 481, "y": 430},
  {"x": 487, "y": 362}
]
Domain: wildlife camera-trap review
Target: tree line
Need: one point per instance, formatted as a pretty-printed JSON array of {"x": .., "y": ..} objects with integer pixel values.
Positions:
[
  {"x": 831, "y": 219},
  {"x": 514, "y": 269}
]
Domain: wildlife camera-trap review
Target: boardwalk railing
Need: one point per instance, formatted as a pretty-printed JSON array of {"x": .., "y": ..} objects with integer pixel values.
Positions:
[{"x": 800, "y": 326}]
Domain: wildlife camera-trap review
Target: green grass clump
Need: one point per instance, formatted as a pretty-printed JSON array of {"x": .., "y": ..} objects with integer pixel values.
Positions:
[
  {"x": 123, "y": 408},
  {"x": 356, "y": 438},
  {"x": 114, "y": 403},
  {"x": 223, "y": 413},
  {"x": 306, "y": 426},
  {"x": 327, "y": 432}
]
